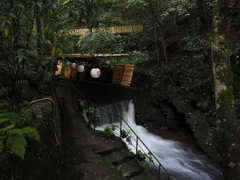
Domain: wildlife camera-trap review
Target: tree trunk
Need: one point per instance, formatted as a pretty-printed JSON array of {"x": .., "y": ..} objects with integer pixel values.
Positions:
[{"x": 227, "y": 131}]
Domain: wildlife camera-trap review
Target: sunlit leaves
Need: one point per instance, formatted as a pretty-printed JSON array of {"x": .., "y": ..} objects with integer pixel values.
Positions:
[{"x": 101, "y": 42}]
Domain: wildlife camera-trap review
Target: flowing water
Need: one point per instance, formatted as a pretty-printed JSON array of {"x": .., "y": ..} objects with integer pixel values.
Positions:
[{"x": 182, "y": 162}]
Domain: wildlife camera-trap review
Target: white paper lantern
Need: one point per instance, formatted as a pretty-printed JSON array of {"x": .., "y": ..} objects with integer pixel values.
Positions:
[
  {"x": 95, "y": 73},
  {"x": 80, "y": 68},
  {"x": 73, "y": 65}
]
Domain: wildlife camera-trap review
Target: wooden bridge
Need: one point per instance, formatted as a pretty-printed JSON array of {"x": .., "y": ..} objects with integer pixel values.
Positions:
[
  {"x": 122, "y": 73},
  {"x": 116, "y": 29}
]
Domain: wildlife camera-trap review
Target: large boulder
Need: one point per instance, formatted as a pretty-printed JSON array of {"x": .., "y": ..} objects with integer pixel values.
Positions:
[
  {"x": 28, "y": 92},
  {"x": 44, "y": 89},
  {"x": 47, "y": 78},
  {"x": 32, "y": 77}
]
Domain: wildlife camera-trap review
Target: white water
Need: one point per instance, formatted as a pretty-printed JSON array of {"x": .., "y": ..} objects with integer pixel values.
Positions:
[{"x": 179, "y": 160}]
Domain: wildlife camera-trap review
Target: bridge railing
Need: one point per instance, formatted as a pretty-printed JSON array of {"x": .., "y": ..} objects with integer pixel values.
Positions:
[
  {"x": 150, "y": 163},
  {"x": 116, "y": 29}
]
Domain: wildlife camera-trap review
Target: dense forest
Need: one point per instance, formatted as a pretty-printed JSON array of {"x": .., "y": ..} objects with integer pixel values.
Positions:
[{"x": 187, "y": 54}]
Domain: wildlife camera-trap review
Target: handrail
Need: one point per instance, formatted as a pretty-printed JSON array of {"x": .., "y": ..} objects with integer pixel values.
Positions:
[{"x": 156, "y": 161}]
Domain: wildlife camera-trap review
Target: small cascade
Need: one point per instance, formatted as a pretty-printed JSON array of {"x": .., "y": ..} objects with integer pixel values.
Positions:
[
  {"x": 180, "y": 161},
  {"x": 111, "y": 114}
]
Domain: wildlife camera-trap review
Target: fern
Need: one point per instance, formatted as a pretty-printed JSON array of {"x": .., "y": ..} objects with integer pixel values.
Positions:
[
  {"x": 17, "y": 145},
  {"x": 14, "y": 129},
  {"x": 26, "y": 113},
  {"x": 7, "y": 128},
  {"x": 1, "y": 146},
  {"x": 3, "y": 119},
  {"x": 31, "y": 132}
]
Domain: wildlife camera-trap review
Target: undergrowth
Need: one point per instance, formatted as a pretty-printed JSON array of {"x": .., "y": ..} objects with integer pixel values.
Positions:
[{"x": 17, "y": 124}]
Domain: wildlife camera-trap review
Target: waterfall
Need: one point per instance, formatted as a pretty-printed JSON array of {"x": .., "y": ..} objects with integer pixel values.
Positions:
[{"x": 180, "y": 161}]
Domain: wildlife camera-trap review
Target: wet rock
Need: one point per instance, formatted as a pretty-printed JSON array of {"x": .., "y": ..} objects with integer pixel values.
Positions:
[
  {"x": 47, "y": 78},
  {"x": 40, "y": 70},
  {"x": 31, "y": 67},
  {"x": 33, "y": 77},
  {"x": 29, "y": 93},
  {"x": 44, "y": 89},
  {"x": 47, "y": 110},
  {"x": 25, "y": 103}
]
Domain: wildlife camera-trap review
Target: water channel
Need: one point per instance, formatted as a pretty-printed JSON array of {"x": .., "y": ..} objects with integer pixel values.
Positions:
[{"x": 177, "y": 151}]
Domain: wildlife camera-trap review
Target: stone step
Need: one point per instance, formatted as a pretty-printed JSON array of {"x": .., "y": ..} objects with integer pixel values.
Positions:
[
  {"x": 130, "y": 168},
  {"x": 142, "y": 176},
  {"x": 119, "y": 156},
  {"x": 104, "y": 151}
]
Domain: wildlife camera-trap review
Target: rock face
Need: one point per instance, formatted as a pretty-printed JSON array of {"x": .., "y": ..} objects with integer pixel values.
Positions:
[
  {"x": 166, "y": 108},
  {"x": 38, "y": 94}
]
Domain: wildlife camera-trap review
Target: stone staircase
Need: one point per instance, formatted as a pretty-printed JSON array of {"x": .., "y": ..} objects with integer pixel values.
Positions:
[{"x": 121, "y": 159}]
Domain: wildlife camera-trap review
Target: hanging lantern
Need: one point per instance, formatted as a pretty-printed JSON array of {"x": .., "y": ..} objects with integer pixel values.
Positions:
[
  {"x": 73, "y": 65},
  {"x": 95, "y": 73},
  {"x": 80, "y": 68}
]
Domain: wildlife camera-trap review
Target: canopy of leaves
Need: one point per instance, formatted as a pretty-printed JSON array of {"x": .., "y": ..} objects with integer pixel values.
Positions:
[{"x": 101, "y": 42}]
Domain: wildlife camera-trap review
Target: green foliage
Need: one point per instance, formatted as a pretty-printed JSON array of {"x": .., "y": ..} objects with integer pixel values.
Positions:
[
  {"x": 15, "y": 127},
  {"x": 147, "y": 156},
  {"x": 128, "y": 132},
  {"x": 101, "y": 42},
  {"x": 82, "y": 103},
  {"x": 126, "y": 174},
  {"x": 109, "y": 131},
  {"x": 28, "y": 32},
  {"x": 196, "y": 43},
  {"x": 92, "y": 113}
]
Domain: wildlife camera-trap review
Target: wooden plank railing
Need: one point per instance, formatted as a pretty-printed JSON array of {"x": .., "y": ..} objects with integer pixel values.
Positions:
[{"x": 116, "y": 29}]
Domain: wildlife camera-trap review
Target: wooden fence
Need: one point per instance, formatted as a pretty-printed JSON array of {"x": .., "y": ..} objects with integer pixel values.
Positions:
[{"x": 116, "y": 29}]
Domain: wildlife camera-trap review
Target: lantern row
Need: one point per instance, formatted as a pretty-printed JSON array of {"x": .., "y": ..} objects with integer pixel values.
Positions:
[{"x": 95, "y": 72}]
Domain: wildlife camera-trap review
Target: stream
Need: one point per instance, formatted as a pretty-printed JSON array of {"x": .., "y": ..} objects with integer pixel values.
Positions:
[{"x": 176, "y": 151}]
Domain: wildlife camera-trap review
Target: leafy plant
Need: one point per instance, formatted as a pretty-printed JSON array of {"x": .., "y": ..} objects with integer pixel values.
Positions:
[
  {"x": 29, "y": 31},
  {"x": 124, "y": 133},
  {"x": 14, "y": 129},
  {"x": 126, "y": 174},
  {"x": 142, "y": 156},
  {"x": 109, "y": 130},
  {"x": 196, "y": 43},
  {"x": 92, "y": 114},
  {"x": 101, "y": 42}
]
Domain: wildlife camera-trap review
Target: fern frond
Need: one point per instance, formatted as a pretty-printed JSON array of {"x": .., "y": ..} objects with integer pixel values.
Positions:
[
  {"x": 2, "y": 119},
  {"x": 1, "y": 146},
  {"x": 14, "y": 131},
  {"x": 31, "y": 132},
  {"x": 7, "y": 128},
  {"x": 2, "y": 137},
  {"x": 17, "y": 144},
  {"x": 12, "y": 116},
  {"x": 26, "y": 113}
]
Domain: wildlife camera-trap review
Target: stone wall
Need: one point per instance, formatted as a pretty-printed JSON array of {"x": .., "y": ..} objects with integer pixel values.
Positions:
[{"x": 41, "y": 158}]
